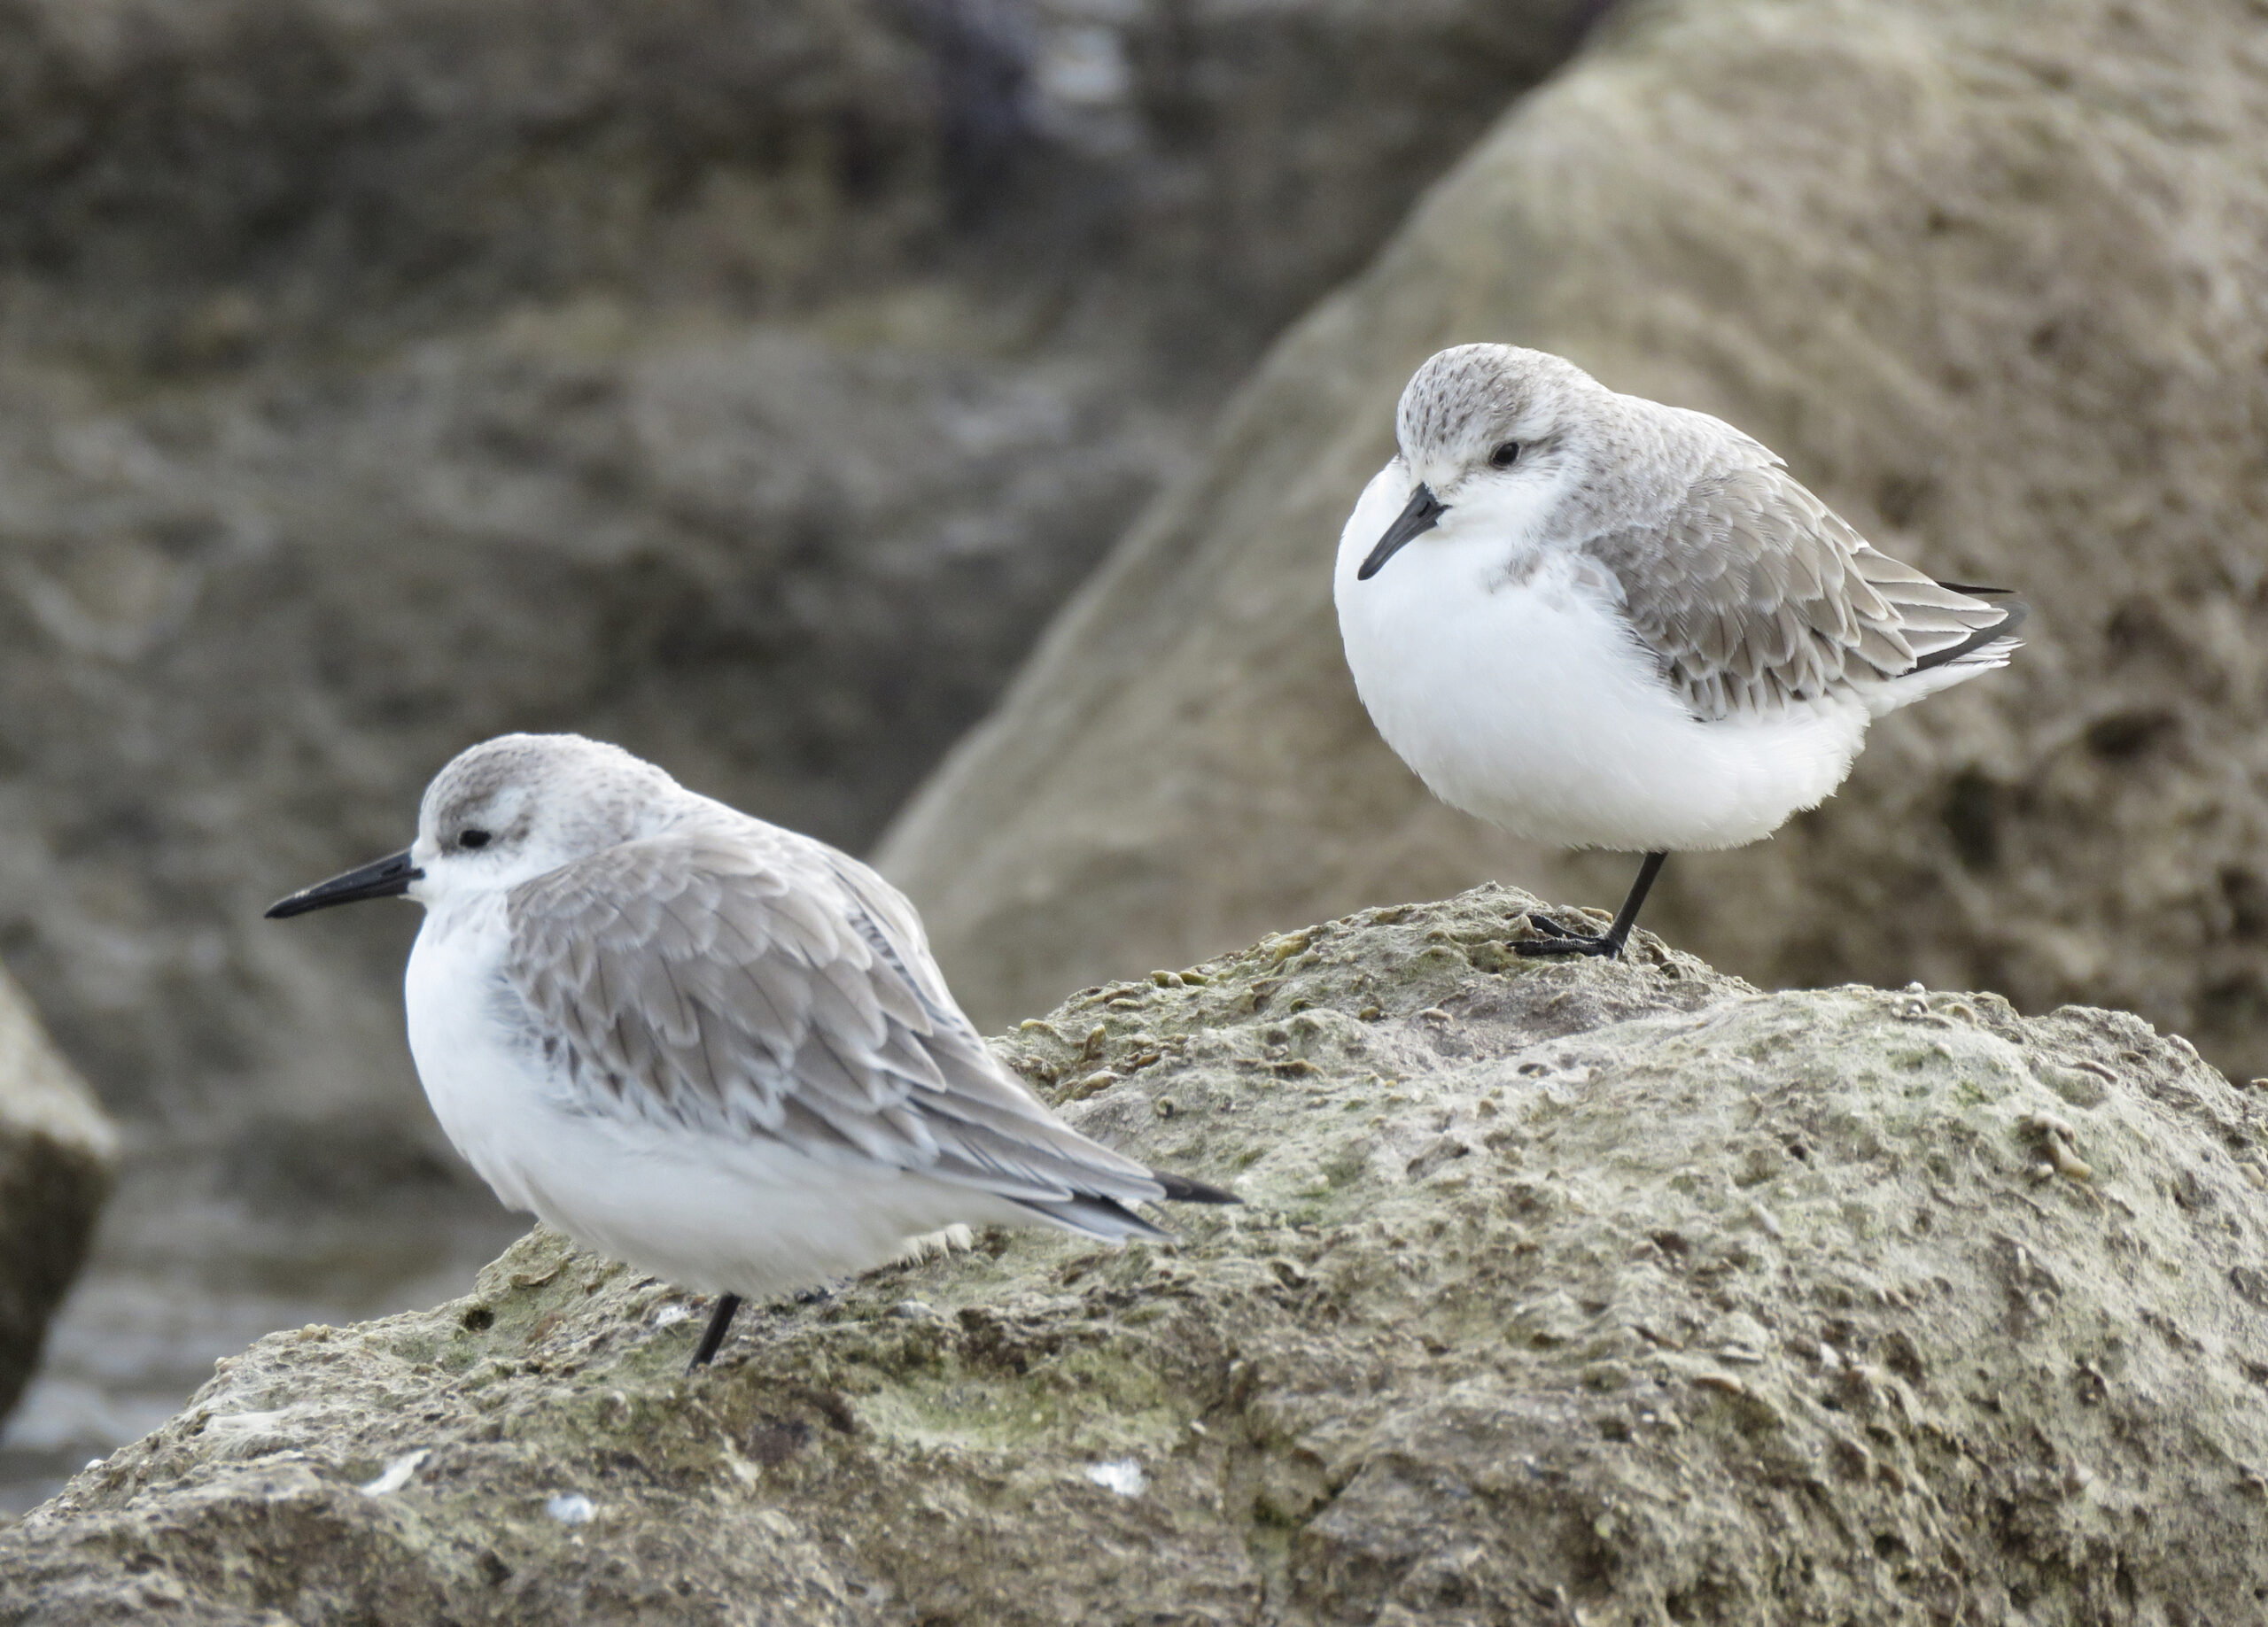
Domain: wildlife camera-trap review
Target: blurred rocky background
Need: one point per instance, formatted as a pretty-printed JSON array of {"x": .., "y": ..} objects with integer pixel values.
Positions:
[{"x": 746, "y": 381}]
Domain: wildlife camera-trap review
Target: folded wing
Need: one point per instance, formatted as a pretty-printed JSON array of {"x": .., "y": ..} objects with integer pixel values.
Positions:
[
  {"x": 1753, "y": 593},
  {"x": 760, "y": 985}
]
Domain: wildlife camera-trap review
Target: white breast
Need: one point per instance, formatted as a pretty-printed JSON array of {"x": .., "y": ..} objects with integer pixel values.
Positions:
[
  {"x": 485, "y": 1092},
  {"x": 1522, "y": 696}
]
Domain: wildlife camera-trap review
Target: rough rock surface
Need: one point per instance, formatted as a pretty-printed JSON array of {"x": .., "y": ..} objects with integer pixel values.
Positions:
[
  {"x": 1617, "y": 1293},
  {"x": 1987, "y": 277},
  {"x": 57, "y": 1155}
]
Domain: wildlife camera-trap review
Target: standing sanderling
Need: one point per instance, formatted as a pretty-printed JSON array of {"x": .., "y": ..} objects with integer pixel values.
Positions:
[
  {"x": 1601, "y": 622},
  {"x": 704, "y": 1045}
]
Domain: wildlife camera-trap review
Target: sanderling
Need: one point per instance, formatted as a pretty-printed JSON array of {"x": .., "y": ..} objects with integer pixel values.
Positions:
[
  {"x": 1626, "y": 625},
  {"x": 703, "y": 1045}
]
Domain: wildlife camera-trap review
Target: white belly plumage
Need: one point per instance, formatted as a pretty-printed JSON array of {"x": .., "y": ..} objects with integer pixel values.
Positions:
[
  {"x": 714, "y": 1213},
  {"x": 1530, "y": 704}
]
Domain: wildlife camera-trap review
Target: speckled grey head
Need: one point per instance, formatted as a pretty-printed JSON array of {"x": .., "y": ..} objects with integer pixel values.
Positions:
[
  {"x": 508, "y": 809},
  {"x": 1467, "y": 405},
  {"x": 1528, "y": 441},
  {"x": 1530, "y": 448},
  {"x": 522, "y": 804}
]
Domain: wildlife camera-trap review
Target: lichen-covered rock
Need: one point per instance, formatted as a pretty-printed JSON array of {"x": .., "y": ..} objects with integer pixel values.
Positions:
[
  {"x": 58, "y": 1152},
  {"x": 1618, "y": 1293},
  {"x": 1986, "y": 276}
]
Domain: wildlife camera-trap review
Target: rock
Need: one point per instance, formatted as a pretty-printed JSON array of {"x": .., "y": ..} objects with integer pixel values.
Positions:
[
  {"x": 58, "y": 1152},
  {"x": 1616, "y": 1292},
  {"x": 1978, "y": 281}
]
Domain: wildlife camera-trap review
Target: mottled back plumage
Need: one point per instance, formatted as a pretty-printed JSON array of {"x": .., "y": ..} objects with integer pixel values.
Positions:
[
  {"x": 747, "y": 981},
  {"x": 1752, "y": 592}
]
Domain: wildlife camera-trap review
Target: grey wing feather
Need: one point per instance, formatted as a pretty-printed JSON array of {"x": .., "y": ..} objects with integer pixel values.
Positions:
[
  {"x": 756, "y": 983},
  {"x": 1753, "y": 593}
]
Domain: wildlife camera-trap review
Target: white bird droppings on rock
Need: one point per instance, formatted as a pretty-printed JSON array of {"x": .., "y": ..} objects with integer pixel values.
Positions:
[
  {"x": 1122, "y": 1476},
  {"x": 245, "y": 1424},
  {"x": 396, "y": 1474}
]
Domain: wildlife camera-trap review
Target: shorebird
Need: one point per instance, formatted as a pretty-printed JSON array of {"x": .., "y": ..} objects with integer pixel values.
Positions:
[
  {"x": 704, "y": 1045},
  {"x": 1599, "y": 622}
]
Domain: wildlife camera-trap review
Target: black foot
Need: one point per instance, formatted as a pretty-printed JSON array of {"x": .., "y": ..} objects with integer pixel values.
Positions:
[
  {"x": 1568, "y": 943},
  {"x": 1558, "y": 939},
  {"x": 720, "y": 1322}
]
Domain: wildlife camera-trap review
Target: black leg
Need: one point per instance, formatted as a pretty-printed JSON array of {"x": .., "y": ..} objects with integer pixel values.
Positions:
[
  {"x": 720, "y": 1322},
  {"x": 1560, "y": 942}
]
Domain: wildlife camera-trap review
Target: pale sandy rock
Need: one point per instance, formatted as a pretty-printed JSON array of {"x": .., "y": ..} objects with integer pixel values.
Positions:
[
  {"x": 57, "y": 1151},
  {"x": 1610, "y": 1292},
  {"x": 1987, "y": 277}
]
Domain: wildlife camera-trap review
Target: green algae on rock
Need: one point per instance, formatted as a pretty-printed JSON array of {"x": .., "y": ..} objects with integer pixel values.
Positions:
[{"x": 1615, "y": 1292}]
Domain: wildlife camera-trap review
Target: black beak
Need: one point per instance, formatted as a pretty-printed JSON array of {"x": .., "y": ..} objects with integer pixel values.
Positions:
[
  {"x": 386, "y": 878},
  {"x": 1424, "y": 513}
]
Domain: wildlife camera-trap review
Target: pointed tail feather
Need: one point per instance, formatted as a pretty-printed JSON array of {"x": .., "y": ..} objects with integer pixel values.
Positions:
[
  {"x": 1112, "y": 1221},
  {"x": 1105, "y": 1219},
  {"x": 1979, "y": 651},
  {"x": 2003, "y": 630},
  {"x": 1182, "y": 1190}
]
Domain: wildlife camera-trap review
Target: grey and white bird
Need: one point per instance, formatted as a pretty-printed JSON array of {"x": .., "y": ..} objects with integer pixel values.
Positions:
[
  {"x": 1599, "y": 622},
  {"x": 706, "y": 1046}
]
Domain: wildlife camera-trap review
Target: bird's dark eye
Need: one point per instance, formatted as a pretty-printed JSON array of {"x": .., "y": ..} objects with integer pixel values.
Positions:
[
  {"x": 1505, "y": 456},
  {"x": 473, "y": 838}
]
